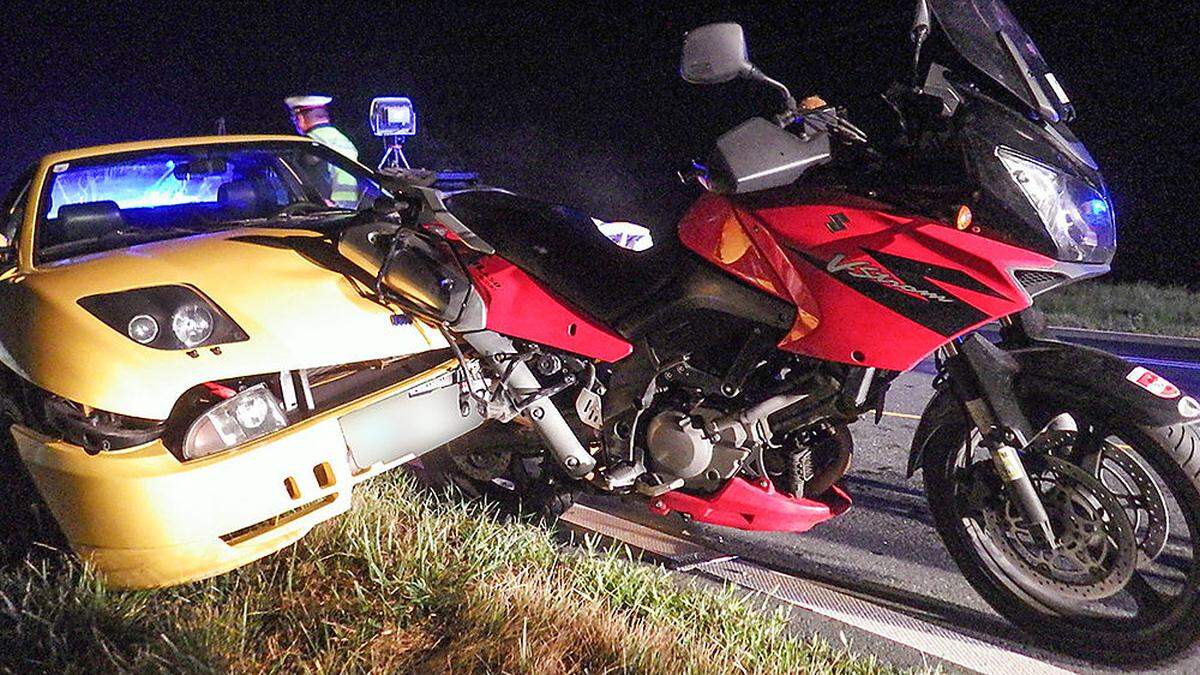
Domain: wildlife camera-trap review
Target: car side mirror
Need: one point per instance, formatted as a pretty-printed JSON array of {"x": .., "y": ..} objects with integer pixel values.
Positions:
[{"x": 714, "y": 54}]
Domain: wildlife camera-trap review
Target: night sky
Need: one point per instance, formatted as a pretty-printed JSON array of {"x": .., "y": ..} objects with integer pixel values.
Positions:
[{"x": 580, "y": 103}]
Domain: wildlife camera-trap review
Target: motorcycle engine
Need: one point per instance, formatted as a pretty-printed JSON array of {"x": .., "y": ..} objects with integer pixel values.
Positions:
[
  {"x": 678, "y": 446},
  {"x": 705, "y": 451}
]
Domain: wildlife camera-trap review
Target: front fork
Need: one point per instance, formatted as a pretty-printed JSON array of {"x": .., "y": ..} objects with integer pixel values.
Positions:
[
  {"x": 541, "y": 412},
  {"x": 982, "y": 377}
]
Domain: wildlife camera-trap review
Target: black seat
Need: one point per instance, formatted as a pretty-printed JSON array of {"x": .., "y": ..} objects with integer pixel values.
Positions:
[
  {"x": 563, "y": 249},
  {"x": 242, "y": 199},
  {"x": 85, "y": 221}
]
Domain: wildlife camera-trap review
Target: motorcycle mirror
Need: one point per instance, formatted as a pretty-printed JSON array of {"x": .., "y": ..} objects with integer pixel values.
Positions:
[
  {"x": 717, "y": 53},
  {"x": 714, "y": 54}
]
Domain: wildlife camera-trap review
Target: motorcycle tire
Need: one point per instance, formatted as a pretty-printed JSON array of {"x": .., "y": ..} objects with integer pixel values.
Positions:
[
  {"x": 506, "y": 467},
  {"x": 1173, "y": 452}
]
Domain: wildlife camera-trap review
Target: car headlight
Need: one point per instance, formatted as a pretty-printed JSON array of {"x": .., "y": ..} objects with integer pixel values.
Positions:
[
  {"x": 165, "y": 317},
  {"x": 250, "y": 415},
  {"x": 1078, "y": 217},
  {"x": 192, "y": 324},
  {"x": 143, "y": 328}
]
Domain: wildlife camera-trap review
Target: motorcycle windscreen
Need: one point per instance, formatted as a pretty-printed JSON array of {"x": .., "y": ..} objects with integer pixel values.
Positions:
[
  {"x": 988, "y": 36},
  {"x": 873, "y": 289}
]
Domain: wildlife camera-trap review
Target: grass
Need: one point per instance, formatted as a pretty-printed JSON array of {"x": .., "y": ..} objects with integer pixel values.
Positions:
[
  {"x": 1134, "y": 307},
  {"x": 409, "y": 581}
]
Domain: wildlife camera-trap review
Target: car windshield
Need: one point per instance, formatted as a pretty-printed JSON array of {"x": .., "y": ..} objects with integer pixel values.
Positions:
[
  {"x": 113, "y": 201},
  {"x": 987, "y": 35}
]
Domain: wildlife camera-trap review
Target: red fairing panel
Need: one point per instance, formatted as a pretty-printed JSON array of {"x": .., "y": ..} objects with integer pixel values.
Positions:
[
  {"x": 517, "y": 306},
  {"x": 872, "y": 288},
  {"x": 749, "y": 506}
]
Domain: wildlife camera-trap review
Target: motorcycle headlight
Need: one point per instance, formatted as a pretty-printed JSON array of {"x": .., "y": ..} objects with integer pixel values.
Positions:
[
  {"x": 165, "y": 317},
  {"x": 250, "y": 415},
  {"x": 1077, "y": 216}
]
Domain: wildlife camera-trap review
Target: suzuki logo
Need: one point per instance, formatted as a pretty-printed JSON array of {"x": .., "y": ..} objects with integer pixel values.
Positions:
[
  {"x": 837, "y": 222},
  {"x": 863, "y": 269}
]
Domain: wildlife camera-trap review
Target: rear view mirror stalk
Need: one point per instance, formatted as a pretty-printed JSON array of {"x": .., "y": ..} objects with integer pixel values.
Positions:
[{"x": 922, "y": 24}]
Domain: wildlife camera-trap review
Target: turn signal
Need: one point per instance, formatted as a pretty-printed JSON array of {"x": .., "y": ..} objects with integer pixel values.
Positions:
[{"x": 962, "y": 220}]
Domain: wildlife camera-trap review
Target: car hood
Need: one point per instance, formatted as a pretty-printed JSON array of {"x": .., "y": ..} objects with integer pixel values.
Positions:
[{"x": 300, "y": 302}]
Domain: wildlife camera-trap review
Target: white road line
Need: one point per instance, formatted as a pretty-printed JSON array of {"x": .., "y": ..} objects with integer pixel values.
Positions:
[{"x": 937, "y": 641}]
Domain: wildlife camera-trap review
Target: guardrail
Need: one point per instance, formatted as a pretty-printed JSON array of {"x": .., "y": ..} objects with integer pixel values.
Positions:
[
  {"x": 1158, "y": 350},
  {"x": 1177, "y": 359}
]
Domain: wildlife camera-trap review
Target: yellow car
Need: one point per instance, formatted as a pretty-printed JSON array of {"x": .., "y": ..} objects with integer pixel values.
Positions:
[{"x": 189, "y": 372}]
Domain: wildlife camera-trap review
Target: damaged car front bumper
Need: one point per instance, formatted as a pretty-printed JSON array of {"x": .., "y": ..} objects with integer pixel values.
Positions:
[{"x": 144, "y": 518}]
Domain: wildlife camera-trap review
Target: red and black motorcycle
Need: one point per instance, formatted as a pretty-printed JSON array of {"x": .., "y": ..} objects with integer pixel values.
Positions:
[{"x": 716, "y": 374}]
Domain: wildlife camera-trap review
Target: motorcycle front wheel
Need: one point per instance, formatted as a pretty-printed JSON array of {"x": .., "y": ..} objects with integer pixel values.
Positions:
[
  {"x": 507, "y": 466},
  {"x": 1123, "y": 583}
]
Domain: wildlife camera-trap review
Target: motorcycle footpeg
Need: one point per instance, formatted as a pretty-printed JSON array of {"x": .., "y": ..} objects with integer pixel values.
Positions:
[
  {"x": 621, "y": 476},
  {"x": 655, "y": 485}
]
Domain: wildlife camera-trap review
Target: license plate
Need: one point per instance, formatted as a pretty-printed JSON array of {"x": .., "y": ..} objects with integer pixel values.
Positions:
[{"x": 408, "y": 424}]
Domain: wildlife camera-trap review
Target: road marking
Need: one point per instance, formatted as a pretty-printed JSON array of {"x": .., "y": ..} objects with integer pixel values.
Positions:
[
  {"x": 1164, "y": 363},
  {"x": 936, "y": 641},
  {"x": 687, "y": 556}
]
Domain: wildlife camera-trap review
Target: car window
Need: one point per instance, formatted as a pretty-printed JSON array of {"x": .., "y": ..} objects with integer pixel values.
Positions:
[
  {"x": 163, "y": 180},
  {"x": 13, "y": 210},
  {"x": 334, "y": 183},
  {"x": 115, "y": 201}
]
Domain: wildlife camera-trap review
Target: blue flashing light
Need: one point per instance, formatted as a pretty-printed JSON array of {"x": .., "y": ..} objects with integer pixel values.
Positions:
[{"x": 1095, "y": 207}]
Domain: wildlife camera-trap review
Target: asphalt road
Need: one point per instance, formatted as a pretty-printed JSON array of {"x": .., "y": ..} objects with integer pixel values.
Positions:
[{"x": 885, "y": 548}]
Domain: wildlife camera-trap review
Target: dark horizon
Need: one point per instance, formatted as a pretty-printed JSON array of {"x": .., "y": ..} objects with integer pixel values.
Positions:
[{"x": 582, "y": 105}]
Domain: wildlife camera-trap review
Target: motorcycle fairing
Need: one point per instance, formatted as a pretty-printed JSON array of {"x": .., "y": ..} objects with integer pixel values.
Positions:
[
  {"x": 749, "y": 506},
  {"x": 518, "y": 306},
  {"x": 872, "y": 288}
]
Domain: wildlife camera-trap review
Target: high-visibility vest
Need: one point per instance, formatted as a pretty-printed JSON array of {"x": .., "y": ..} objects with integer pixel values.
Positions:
[{"x": 343, "y": 187}]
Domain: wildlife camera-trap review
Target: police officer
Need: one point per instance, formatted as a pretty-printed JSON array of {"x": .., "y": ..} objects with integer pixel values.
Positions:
[{"x": 311, "y": 118}]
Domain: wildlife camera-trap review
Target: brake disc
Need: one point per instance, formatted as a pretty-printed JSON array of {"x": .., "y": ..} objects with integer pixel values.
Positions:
[
  {"x": 1127, "y": 478},
  {"x": 483, "y": 465},
  {"x": 1097, "y": 551}
]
